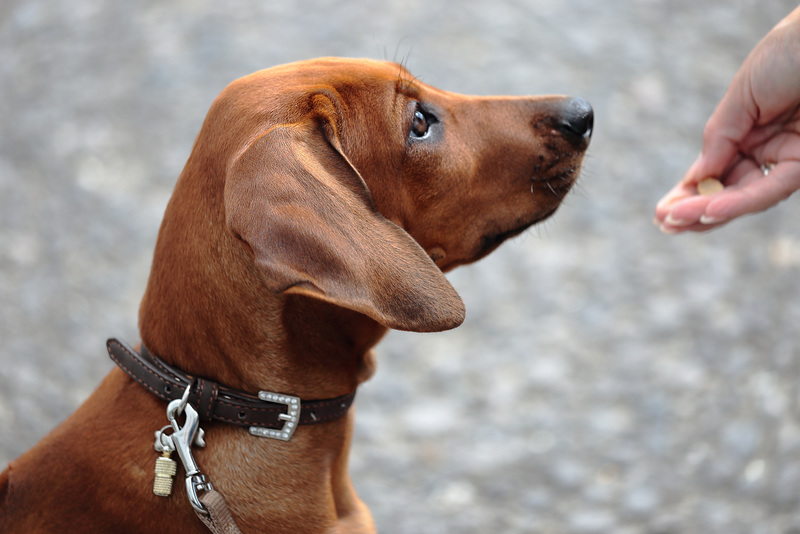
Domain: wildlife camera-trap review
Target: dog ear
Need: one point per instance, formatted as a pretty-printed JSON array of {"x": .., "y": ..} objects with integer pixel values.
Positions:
[{"x": 308, "y": 217}]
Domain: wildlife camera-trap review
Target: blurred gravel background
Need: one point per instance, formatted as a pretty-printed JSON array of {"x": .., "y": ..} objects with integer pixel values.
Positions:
[{"x": 608, "y": 378}]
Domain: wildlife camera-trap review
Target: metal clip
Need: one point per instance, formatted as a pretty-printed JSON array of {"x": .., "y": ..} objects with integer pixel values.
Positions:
[{"x": 183, "y": 438}]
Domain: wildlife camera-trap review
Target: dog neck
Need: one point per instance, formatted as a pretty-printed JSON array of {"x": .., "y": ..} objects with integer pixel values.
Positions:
[
  {"x": 213, "y": 318},
  {"x": 298, "y": 345},
  {"x": 207, "y": 311}
]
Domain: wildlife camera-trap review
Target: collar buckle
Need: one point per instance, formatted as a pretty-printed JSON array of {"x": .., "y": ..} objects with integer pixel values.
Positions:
[{"x": 290, "y": 419}]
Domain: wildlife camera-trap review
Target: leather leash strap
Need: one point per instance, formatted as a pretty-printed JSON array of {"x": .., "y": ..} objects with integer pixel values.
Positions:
[
  {"x": 219, "y": 519},
  {"x": 215, "y": 402}
]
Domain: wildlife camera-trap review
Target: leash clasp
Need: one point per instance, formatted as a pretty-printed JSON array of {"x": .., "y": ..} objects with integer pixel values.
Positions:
[{"x": 183, "y": 438}]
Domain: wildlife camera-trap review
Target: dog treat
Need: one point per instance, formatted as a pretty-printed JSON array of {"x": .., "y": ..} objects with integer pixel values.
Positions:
[{"x": 709, "y": 186}]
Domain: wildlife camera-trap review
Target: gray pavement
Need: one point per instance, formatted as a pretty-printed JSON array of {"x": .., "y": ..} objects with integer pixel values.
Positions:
[{"x": 608, "y": 379}]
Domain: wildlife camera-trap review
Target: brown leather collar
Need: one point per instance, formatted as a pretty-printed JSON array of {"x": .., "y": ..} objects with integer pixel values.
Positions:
[{"x": 269, "y": 414}]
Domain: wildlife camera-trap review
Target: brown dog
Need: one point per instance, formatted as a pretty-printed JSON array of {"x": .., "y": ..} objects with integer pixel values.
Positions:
[{"x": 319, "y": 207}]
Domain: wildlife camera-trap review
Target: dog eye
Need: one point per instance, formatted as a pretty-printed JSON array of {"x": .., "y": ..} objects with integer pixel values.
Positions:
[{"x": 421, "y": 124}]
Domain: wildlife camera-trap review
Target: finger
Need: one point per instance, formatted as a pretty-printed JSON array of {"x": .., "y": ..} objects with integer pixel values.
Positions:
[
  {"x": 685, "y": 210},
  {"x": 745, "y": 170},
  {"x": 749, "y": 191},
  {"x": 726, "y": 129},
  {"x": 721, "y": 151},
  {"x": 678, "y": 193},
  {"x": 696, "y": 228},
  {"x": 755, "y": 194},
  {"x": 780, "y": 142},
  {"x": 690, "y": 213}
]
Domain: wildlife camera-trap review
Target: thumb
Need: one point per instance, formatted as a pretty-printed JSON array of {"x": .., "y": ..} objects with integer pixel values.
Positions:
[{"x": 726, "y": 129}]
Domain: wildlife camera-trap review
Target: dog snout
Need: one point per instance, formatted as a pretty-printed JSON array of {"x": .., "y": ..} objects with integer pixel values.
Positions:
[{"x": 577, "y": 119}]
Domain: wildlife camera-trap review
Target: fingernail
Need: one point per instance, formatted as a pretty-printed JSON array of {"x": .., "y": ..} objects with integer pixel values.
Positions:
[
  {"x": 667, "y": 230},
  {"x": 705, "y": 219},
  {"x": 675, "y": 222}
]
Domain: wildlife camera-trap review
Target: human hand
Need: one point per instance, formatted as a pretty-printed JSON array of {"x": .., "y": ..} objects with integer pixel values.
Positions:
[{"x": 751, "y": 143}]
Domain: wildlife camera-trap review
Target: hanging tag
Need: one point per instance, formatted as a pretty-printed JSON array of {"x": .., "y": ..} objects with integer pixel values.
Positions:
[{"x": 166, "y": 468}]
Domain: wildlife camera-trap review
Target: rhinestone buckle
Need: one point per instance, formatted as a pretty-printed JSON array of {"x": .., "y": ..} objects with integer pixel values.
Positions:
[{"x": 290, "y": 418}]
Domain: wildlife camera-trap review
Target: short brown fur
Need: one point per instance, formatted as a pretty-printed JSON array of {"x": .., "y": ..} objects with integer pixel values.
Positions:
[{"x": 306, "y": 222}]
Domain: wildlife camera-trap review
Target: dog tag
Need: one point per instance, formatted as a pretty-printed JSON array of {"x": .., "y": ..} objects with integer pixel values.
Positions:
[{"x": 166, "y": 468}]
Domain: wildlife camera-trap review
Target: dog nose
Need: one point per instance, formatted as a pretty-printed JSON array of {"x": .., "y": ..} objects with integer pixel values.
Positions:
[{"x": 577, "y": 119}]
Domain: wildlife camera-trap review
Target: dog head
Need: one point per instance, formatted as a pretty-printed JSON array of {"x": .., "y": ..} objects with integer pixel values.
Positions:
[{"x": 352, "y": 182}]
